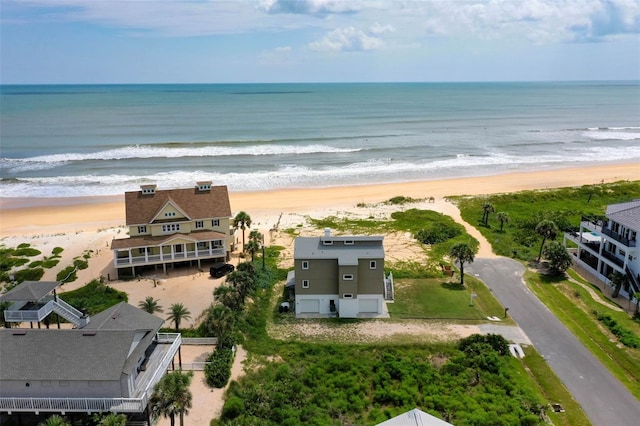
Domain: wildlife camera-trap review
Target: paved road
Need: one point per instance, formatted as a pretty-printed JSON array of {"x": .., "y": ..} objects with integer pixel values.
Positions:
[{"x": 605, "y": 401}]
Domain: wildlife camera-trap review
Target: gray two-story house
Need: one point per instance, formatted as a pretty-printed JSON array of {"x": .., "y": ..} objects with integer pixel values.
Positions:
[{"x": 341, "y": 275}]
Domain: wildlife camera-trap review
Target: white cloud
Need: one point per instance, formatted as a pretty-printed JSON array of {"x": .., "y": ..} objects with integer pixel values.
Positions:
[
  {"x": 347, "y": 39},
  {"x": 381, "y": 29}
]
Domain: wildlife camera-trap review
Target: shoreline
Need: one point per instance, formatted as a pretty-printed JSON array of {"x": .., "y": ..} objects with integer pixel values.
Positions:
[{"x": 19, "y": 216}]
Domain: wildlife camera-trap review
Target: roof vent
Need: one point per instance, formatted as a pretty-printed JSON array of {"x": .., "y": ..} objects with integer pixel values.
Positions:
[
  {"x": 148, "y": 189},
  {"x": 327, "y": 232},
  {"x": 89, "y": 333},
  {"x": 20, "y": 332},
  {"x": 204, "y": 185}
]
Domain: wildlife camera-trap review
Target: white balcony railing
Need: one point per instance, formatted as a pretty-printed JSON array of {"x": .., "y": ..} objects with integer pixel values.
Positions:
[{"x": 169, "y": 257}]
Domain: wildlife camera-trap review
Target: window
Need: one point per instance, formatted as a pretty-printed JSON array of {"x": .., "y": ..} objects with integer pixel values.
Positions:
[
  {"x": 203, "y": 245},
  {"x": 305, "y": 283},
  {"x": 199, "y": 224},
  {"x": 347, "y": 277},
  {"x": 173, "y": 227},
  {"x": 347, "y": 296},
  {"x": 142, "y": 229},
  {"x": 622, "y": 252},
  {"x": 215, "y": 222},
  {"x": 217, "y": 243},
  {"x": 349, "y": 242},
  {"x": 372, "y": 264},
  {"x": 305, "y": 264},
  {"x": 169, "y": 214},
  {"x": 143, "y": 250},
  {"x": 327, "y": 242}
]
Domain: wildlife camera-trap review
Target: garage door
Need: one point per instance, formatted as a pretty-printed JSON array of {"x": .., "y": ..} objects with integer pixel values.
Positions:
[
  {"x": 309, "y": 306},
  {"x": 368, "y": 305}
]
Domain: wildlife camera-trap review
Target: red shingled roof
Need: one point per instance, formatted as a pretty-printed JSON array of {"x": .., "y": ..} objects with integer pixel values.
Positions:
[{"x": 142, "y": 208}]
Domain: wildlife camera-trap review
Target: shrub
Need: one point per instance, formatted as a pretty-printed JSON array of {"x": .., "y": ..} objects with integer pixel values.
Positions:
[
  {"x": 67, "y": 275},
  {"x": 27, "y": 251},
  {"x": 218, "y": 369},
  {"x": 233, "y": 408},
  {"x": 438, "y": 233},
  {"x": 33, "y": 274},
  {"x": 57, "y": 250}
]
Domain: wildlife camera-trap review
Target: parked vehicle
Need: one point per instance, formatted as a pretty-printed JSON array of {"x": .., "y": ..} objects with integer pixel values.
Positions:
[{"x": 221, "y": 269}]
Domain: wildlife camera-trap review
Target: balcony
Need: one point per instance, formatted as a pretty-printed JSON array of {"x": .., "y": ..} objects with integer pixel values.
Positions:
[
  {"x": 38, "y": 311},
  {"x": 162, "y": 356},
  {"x": 151, "y": 259},
  {"x": 619, "y": 238}
]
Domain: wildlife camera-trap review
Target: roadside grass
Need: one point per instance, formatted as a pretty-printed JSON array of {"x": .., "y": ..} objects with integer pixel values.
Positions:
[
  {"x": 574, "y": 305},
  {"x": 437, "y": 298},
  {"x": 552, "y": 389},
  {"x": 565, "y": 206}
]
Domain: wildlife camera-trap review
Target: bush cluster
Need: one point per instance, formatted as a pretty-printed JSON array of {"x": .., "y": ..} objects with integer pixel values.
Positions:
[
  {"x": 438, "y": 232},
  {"x": 626, "y": 336},
  {"x": 218, "y": 370},
  {"x": 361, "y": 384}
]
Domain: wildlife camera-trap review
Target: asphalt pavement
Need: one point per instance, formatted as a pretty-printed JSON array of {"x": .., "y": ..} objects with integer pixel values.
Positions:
[{"x": 603, "y": 398}]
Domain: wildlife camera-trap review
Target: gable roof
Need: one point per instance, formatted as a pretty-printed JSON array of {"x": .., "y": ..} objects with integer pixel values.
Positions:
[
  {"x": 626, "y": 214},
  {"x": 196, "y": 204},
  {"x": 30, "y": 291},
  {"x": 314, "y": 248},
  {"x": 415, "y": 417}
]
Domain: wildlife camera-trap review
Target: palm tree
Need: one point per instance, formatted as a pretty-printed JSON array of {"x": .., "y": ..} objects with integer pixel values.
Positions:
[
  {"x": 111, "y": 419},
  {"x": 150, "y": 305},
  {"x": 177, "y": 313},
  {"x": 503, "y": 217},
  {"x": 242, "y": 221},
  {"x": 242, "y": 281},
  {"x": 487, "y": 208},
  {"x": 546, "y": 229},
  {"x": 172, "y": 396},
  {"x": 219, "y": 321},
  {"x": 618, "y": 280},
  {"x": 55, "y": 420},
  {"x": 255, "y": 242},
  {"x": 463, "y": 253},
  {"x": 228, "y": 296}
]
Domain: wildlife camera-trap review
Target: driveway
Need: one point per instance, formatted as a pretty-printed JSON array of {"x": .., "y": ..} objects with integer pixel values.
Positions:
[{"x": 605, "y": 401}]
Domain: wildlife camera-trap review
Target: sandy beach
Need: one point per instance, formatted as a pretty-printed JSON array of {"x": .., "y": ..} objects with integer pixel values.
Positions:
[{"x": 81, "y": 224}]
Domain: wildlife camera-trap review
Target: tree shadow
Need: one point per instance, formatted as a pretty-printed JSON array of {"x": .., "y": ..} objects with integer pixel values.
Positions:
[{"x": 452, "y": 286}]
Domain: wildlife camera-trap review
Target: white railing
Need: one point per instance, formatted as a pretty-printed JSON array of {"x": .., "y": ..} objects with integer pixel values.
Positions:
[
  {"x": 167, "y": 257},
  {"x": 68, "y": 312},
  {"x": 87, "y": 405}
]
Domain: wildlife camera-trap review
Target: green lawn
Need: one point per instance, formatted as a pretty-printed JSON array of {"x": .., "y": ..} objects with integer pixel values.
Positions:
[{"x": 439, "y": 298}]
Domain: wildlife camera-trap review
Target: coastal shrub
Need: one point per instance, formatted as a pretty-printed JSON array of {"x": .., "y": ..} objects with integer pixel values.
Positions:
[
  {"x": 217, "y": 371},
  {"x": 31, "y": 274},
  {"x": 400, "y": 200},
  {"x": 80, "y": 263},
  {"x": 438, "y": 233},
  {"x": 67, "y": 275},
  {"x": 57, "y": 250},
  {"x": 626, "y": 336},
  {"x": 233, "y": 408},
  {"x": 49, "y": 263},
  {"x": 26, "y": 251},
  {"x": 94, "y": 297}
]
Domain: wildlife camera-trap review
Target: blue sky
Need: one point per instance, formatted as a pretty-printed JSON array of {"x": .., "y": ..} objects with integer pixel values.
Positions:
[{"x": 212, "y": 41}]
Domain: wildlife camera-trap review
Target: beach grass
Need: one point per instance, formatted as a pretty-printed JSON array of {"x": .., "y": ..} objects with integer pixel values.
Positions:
[{"x": 564, "y": 206}]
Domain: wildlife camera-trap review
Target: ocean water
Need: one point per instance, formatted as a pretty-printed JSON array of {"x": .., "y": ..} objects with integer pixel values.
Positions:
[{"x": 82, "y": 140}]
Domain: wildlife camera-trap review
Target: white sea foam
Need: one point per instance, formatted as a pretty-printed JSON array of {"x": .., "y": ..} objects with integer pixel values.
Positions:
[
  {"x": 612, "y": 135},
  {"x": 44, "y": 162},
  {"x": 295, "y": 175}
]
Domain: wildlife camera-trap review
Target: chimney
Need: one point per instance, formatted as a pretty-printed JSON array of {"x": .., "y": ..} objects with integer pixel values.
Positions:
[
  {"x": 327, "y": 232},
  {"x": 204, "y": 185},
  {"x": 148, "y": 189}
]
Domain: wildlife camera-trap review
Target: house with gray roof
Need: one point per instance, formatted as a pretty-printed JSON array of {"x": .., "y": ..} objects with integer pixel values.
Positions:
[
  {"x": 604, "y": 245},
  {"x": 340, "y": 276},
  {"x": 108, "y": 364},
  {"x": 174, "y": 226},
  {"x": 415, "y": 417}
]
